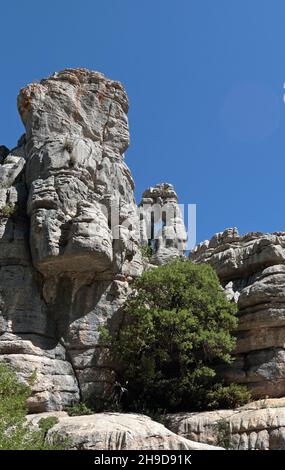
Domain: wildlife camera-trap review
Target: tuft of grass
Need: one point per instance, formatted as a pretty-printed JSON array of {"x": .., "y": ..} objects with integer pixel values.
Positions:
[
  {"x": 68, "y": 145},
  {"x": 8, "y": 210}
]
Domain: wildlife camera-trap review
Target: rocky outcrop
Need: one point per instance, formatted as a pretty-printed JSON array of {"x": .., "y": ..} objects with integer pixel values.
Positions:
[
  {"x": 252, "y": 271},
  {"x": 162, "y": 225},
  {"x": 69, "y": 235},
  {"x": 257, "y": 426},
  {"x": 116, "y": 431},
  {"x": 71, "y": 238}
]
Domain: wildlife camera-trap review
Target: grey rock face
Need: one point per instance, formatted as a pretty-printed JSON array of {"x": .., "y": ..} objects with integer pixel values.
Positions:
[
  {"x": 162, "y": 225},
  {"x": 257, "y": 426},
  {"x": 117, "y": 431},
  {"x": 252, "y": 271},
  {"x": 77, "y": 131},
  {"x": 69, "y": 234}
]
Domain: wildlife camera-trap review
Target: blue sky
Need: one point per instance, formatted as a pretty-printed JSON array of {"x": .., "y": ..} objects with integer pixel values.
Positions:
[{"x": 205, "y": 82}]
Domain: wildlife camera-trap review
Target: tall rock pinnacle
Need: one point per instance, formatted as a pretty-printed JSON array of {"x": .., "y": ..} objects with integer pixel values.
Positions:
[{"x": 69, "y": 234}]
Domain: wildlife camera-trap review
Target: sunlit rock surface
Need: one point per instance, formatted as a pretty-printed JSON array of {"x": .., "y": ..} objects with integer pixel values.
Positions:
[
  {"x": 69, "y": 234},
  {"x": 257, "y": 426},
  {"x": 251, "y": 268},
  {"x": 117, "y": 431}
]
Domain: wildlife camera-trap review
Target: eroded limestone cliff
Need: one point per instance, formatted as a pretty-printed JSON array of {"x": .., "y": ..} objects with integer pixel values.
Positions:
[
  {"x": 71, "y": 236},
  {"x": 65, "y": 263},
  {"x": 252, "y": 270}
]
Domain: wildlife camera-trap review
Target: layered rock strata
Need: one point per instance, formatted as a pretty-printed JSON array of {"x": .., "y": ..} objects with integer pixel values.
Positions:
[
  {"x": 257, "y": 426},
  {"x": 252, "y": 271}
]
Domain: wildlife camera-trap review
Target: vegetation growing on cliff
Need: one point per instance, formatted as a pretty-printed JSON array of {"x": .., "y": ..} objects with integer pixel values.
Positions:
[
  {"x": 8, "y": 210},
  {"x": 15, "y": 432},
  {"x": 176, "y": 329}
]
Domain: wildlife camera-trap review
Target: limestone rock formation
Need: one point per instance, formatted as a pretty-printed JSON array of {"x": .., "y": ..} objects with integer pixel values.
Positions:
[
  {"x": 115, "y": 431},
  {"x": 70, "y": 239},
  {"x": 162, "y": 225},
  {"x": 69, "y": 234},
  {"x": 252, "y": 271},
  {"x": 257, "y": 426}
]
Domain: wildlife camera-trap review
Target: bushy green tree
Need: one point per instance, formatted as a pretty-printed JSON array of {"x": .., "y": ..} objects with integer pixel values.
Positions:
[
  {"x": 176, "y": 328},
  {"x": 15, "y": 432}
]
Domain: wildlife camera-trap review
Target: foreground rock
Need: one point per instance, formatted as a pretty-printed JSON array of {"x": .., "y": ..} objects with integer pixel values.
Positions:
[
  {"x": 257, "y": 426},
  {"x": 251, "y": 268},
  {"x": 116, "y": 431}
]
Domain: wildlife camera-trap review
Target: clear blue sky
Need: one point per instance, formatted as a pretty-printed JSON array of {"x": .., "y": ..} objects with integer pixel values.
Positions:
[{"x": 205, "y": 81}]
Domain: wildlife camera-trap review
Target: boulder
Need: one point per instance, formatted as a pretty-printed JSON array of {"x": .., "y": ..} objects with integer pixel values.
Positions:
[{"x": 117, "y": 431}]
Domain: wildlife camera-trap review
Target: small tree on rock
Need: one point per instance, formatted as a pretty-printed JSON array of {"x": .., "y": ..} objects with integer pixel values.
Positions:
[{"x": 176, "y": 328}]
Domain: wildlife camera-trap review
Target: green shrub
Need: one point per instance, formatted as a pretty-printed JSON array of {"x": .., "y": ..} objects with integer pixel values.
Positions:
[
  {"x": 228, "y": 396},
  {"x": 146, "y": 252},
  {"x": 176, "y": 328},
  {"x": 79, "y": 409},
  {"x": 45, "y": 424},
  {"x": 15, "y": 432},
  {"x": 223, "y": 434}
]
